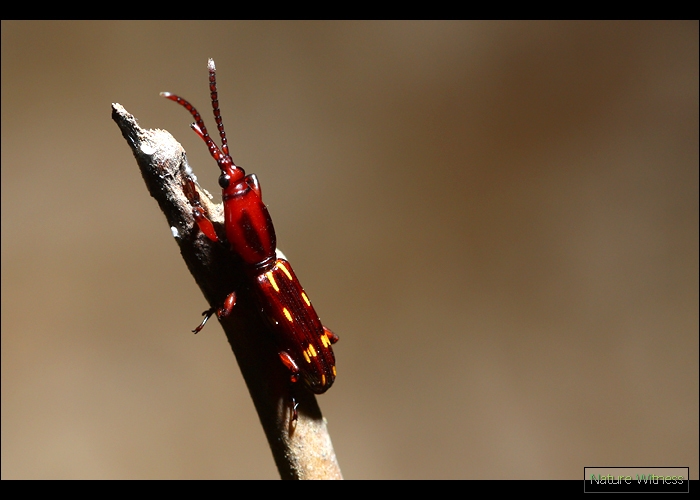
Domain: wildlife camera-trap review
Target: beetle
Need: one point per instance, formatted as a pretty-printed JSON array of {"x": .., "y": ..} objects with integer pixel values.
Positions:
[{"x": 303, "y": 343}]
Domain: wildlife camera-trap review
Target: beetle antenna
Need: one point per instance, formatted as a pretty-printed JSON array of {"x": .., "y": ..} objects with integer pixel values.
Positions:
[
  {"x": 221, "y": 156},
  {"x": 215, "y": 106},
  {"x": 198, "y": 126}
]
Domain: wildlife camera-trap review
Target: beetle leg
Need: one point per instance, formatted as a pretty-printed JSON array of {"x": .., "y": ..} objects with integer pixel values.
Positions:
[
  {"x": 291, "y": 365},
  {"x": 295, "y": 414},
  {"x": 207, "y": 314},
  {"x": 202, "y": 221},
  {"x": 221, "y": 312},
  {"x": 226, "y": 309},
  {"x": 332, "y": 337}
]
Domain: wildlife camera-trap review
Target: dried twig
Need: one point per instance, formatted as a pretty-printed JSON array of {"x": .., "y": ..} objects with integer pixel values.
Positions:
[{"x": 302, "y": 449}]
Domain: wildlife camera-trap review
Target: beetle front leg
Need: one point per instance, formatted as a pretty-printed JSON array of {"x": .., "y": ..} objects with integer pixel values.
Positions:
[{"x": 202, "y": 221}]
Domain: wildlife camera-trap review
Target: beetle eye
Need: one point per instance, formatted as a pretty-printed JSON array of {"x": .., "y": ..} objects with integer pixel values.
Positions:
[{"x": 224, "y": 180}]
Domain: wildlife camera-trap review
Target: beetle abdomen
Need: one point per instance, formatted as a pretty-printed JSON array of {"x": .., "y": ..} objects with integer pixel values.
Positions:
[{"x": 298, "y": 329}]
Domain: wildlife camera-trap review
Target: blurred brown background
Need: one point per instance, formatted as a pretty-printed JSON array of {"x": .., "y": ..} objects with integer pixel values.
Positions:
[{"x": 500, "y": 219}]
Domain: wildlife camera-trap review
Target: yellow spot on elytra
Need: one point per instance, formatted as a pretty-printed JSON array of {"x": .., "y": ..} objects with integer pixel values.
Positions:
[
  {"x": 306, "y": 299},
  {"x": 306, "y": 357},
  {"x": 271, "y": 278},
  {"x": 324, "y": 340},
  {"x": 323, "y": 379},
  {"x": 312, "y": 351},
  {"x": 286, "y": 271},
  {"x": 333, "y": 370},
  {"x": 287, "y": 313}
]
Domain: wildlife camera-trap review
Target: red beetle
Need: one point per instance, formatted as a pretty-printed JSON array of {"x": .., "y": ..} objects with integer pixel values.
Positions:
[{"x": 303, "y": 342}]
